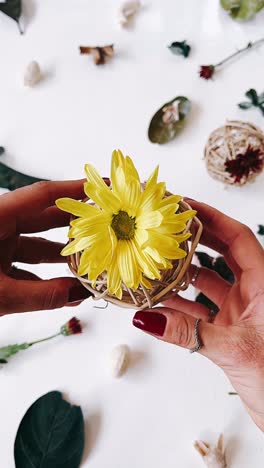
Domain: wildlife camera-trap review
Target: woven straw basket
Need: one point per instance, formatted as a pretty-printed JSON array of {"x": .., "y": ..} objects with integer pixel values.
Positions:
[{"x": 172, "y": 281}]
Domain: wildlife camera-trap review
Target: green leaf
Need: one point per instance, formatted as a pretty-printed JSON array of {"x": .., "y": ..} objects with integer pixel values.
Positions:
[
  {"x": 180, "y": 48},
  {"x": 50, "y": 435},
  {"x": 13, "y": 9},
  {"x": 10, "y": 350},
  {"x": 11, "y": 179},
  {"x": 202, "y": 299},
  {"x": 205, "y": 260},
  {"x": 245, "y": 105},
  {"x": 161, "y": 131},
  {"x": 2, "y": 150},
  {"x": 229, "y": 4},
  {"x": 242, "y": 9},
  {"x": 253, "y": 96},
  {"x": 261, "y": 229}
]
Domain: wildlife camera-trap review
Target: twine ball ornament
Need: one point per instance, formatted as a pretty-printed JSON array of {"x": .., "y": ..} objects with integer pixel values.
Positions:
[
  {"x": 234, "y": 153},
  {"x": 171, "y": 282}
]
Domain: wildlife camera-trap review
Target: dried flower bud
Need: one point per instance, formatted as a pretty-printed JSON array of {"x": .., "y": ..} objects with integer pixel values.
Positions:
[
  {"x": 99, "y": 53},
  {"x": 72, "y": 327},
  {"x": 213, "y": 457},
  {"x": 32, "y": 74},
  {"x": 206, "y": 71}
]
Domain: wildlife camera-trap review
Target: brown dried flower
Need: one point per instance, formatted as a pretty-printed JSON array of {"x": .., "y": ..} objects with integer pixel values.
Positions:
[{"x": 99, "y": 53}]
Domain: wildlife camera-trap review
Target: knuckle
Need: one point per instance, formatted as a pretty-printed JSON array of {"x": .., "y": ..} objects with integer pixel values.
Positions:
[
  {"x": 56, "y": 297},
  {"x": 247, "y": 231},
  {"x": 44, "y": 187},
  {"x": 182, "y": 335}
]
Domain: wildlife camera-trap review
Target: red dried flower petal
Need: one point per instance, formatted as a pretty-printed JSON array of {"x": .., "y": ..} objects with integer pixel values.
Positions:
[
  {"x": 72, "y": 327},
  {"x": 206, "y": 71},
  {"x": 244, "y": 164}
]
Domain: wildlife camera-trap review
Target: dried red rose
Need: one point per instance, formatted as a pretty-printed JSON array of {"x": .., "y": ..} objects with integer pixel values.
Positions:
[
  {"x": 206, "y": 71},
  {"x": 72, "y": 327},
  {"x": 245, "y": 164}
]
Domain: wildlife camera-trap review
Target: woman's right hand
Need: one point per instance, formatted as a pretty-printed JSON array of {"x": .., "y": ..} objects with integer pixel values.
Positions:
[{"x": 235, "y": 341}]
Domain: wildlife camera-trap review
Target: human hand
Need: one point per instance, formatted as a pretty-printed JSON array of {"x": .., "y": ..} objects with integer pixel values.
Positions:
[
  {"x": 235, "y": 341},
  {"x": 28, "y": 210}
]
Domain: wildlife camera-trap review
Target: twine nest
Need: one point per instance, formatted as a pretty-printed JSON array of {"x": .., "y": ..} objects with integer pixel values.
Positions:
[
  {"x": 172, "y": 281},
  {"x": 225, "y": 143}
]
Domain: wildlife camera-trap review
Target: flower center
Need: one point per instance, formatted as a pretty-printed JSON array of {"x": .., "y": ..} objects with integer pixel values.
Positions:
[{"x": 123, "y": 225}]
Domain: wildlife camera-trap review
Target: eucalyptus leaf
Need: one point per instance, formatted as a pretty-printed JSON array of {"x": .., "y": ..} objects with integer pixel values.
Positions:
[
  {"x": 169, "y": 120},
  {"x": 11, "y": 179},
  {"x": 10, "y": 350},
  {"x": 13, "y": 9},
  {"x": 253, "y": 96},
  {"x": 261, "y": 230},
  {"x": 245, "y": 105},
  {"x": 50, "y": 435},
  {"x": 218, "y": 265},
  {"x": 180, "y": 48},
  {"x": 2, "y": 150},
  {"x": 242, "y": 9}
]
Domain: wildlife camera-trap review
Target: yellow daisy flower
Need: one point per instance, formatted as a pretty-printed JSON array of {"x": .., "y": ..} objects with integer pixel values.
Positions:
[{"x": 130, "y": 233}]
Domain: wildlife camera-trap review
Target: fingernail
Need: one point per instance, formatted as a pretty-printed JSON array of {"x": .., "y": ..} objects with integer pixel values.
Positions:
[
  {"x": 188, "y": 198},
  {"x": 151, "y": 322},
  {"x": 78, "y": 293}
]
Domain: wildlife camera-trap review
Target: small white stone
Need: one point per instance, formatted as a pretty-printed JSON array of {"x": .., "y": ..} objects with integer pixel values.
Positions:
[
  {"x": 32, "y": 74},
  {"x": 119, "y": 360},
  {"x": 128, "y": 10}
]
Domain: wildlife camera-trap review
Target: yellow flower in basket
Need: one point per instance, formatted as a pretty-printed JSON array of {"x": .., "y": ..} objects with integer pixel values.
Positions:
[{"x": 129, "y": 232}]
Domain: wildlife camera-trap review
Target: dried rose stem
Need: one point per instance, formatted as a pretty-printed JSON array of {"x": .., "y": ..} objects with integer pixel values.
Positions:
[
  {"x": 45, "y": 339},
  {"x": 251, "y": 45},
  {"x": 19, "y": 27}
]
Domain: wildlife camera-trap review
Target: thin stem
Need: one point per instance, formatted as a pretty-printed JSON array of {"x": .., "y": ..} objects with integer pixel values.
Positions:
[
  {"x": 19, "y": 27},
  {"x": 251, "y": 45},
  {"x": 44, "y": 339}
]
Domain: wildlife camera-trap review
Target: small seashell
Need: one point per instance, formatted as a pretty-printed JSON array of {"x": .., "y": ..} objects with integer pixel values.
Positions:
[
  {"x": 32, "y": 74},
  {"x": 119, "y": 360},
  {"x": 213, "y": 457},
  {"x": 128, "y": 10}
]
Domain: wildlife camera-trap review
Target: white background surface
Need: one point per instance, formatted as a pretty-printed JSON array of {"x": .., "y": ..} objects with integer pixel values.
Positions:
[{"x": 80, "y": 113}]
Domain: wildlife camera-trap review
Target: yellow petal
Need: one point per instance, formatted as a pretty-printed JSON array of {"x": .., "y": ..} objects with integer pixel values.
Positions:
[
  {"x": 114, "y": 279},
  {"x": 147, "y": 265},
  {"x": 170, "y": 200},
  {"x": 88, "y": 230},
  {"x": 152, "y": 180},
  {"x": 167, "y": 246},
  {"x": 141, "y": 236},
  {"x": 130, "y": 169},
  {"x": 171, "y": 228},
  {"x": 151, "y": 198},
  {"x": 145, "y": 282},
  {"x": 104, "y": 198},
  {"x": 76, "y": 208},
  {"x": 77, "y": 245},
  {"x": 127, "y": 264},
  {"x": 148, "y": 220}
]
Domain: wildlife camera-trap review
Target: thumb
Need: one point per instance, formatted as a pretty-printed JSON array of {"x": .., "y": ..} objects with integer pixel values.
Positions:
[
  {"x": 178, "y": 328},
  {"x": 27, "y": 296}
]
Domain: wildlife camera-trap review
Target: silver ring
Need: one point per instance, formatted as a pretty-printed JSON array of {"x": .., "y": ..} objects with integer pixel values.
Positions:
[
  {"x": 199, "y": 344},
  {"x": 195, "y": 275},
  {"x": 212, "y": 315}
]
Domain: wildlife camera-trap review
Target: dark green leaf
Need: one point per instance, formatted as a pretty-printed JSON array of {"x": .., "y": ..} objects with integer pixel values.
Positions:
[
  {"x": 252, "y": 95},
  {"x": 229, "y": 4},
  {"x": 13, "y": 9},
  {"x": 3, "y": 361},
  {"x": 162, "y": 130},
  {"x": 180, "y": 48},
  {"x": 11, "y": 179},
  {"x": 261, "y": 230},
  {"x": 50, "y": 435},
  {"x": 2, "y": 150},
  {"x": 245, "y": 105},
  {"x": 202, "y": 299},
  {"x": 221, "y": 267},
  {"x": 205, "y": 260}
]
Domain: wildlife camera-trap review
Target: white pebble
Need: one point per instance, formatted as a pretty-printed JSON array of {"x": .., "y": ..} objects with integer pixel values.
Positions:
[
  {"x": 119, "y": 360},
  {"x": 128, "y": 10},
  {"x": 32, "y": 74}
]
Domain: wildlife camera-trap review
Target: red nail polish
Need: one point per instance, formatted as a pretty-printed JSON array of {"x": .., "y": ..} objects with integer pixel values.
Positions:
[{"x": 151, "y": 322}]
